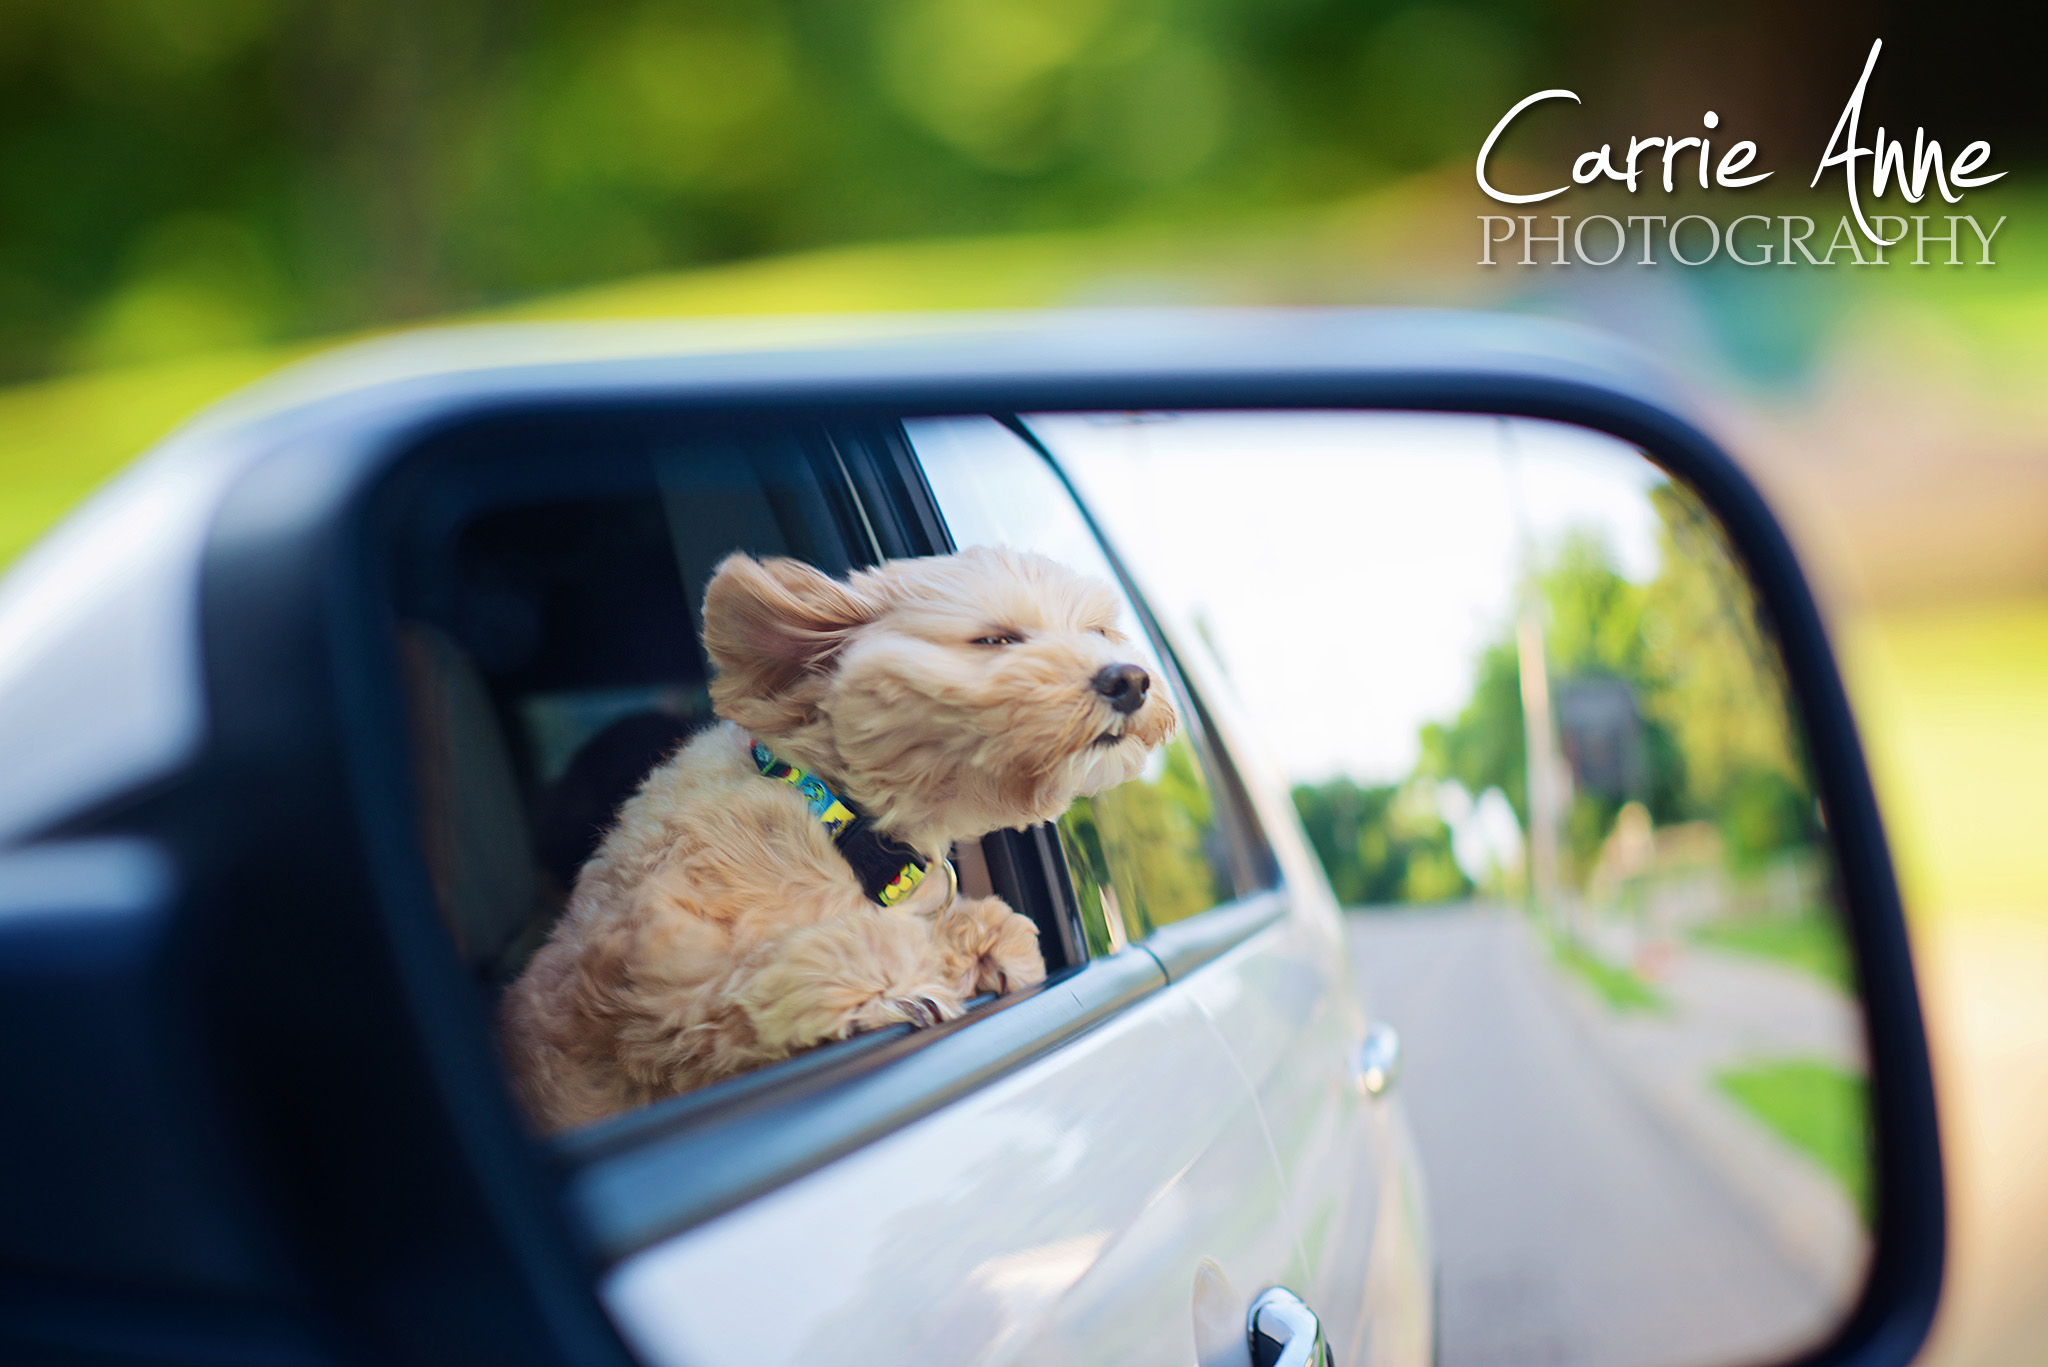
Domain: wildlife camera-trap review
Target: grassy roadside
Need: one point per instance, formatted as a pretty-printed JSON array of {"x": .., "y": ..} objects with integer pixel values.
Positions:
[
  {"x": 1811, "y": 943},
  {"x": 1818, "y": 1109},
  {"x": 1622, "y": 990}
]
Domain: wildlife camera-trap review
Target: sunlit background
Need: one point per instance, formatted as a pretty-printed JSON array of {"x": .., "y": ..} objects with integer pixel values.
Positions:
[
  {"x": 1539, "y": 737},
  {"x": 195, "y": 192}
]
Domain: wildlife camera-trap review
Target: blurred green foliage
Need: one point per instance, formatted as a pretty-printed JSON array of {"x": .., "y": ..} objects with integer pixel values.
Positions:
[
  {"x": 1598, "y": 626},
  {"x": 1691, "y": 647},
  {"x": 1381, "y": 844},
  {"x": 1692, "y": 652},
  {"x": 185, "y": 176},
  {"x": 1486, "y": 746},
  {"x": 1147, "y": 852},
  {"x": 195, "y": 175}
]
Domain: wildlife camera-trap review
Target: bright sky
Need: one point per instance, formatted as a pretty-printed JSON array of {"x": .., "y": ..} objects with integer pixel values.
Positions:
[{"x": 1350, "y": 566}]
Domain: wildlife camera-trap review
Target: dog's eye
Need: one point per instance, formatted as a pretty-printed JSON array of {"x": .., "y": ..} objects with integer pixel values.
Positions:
[{"x": 1000, "y": 639}]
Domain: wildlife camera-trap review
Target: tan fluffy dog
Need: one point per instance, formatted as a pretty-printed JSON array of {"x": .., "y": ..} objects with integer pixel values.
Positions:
[{"x": 718, "y": 927}]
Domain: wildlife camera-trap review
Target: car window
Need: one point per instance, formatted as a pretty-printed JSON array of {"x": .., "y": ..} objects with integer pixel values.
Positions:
[
  {"x": 547, "y": 618},
  {"x": 1148, "y": 852}
]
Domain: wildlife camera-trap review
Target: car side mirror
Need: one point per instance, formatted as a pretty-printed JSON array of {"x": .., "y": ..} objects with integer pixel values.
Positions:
[{"x": 311, "y": 721}]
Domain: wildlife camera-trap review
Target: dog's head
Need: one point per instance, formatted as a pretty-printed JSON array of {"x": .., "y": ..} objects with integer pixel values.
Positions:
[{"x": 950, "y": 695}]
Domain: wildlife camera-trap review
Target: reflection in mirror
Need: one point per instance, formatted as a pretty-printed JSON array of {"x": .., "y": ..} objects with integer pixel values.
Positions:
[
  {"x": 1538, "y": 732},
  {"x": 1535, "y": 726},
  {"x": 1144, "y": 853}
]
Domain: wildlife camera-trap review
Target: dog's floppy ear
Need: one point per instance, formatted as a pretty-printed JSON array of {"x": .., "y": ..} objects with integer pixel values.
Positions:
[{"x": 770, "y": 626}]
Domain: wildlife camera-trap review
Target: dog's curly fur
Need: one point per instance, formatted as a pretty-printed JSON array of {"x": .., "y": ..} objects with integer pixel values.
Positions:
[{"x": 717, "y": 928}]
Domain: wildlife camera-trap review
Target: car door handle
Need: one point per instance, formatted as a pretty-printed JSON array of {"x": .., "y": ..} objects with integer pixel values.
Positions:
[
  {"x": 1285, "y": 1332},
  {"x": 1378, "y": 1065}
]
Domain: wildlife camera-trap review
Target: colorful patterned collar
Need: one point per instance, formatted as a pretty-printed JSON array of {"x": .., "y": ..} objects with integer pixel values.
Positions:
[{"x": 889, "y": 870}]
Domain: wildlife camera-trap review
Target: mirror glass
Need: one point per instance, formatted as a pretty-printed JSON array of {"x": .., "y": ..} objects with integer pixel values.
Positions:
[
  {"x": 1508, "y": 675},
  {"x": 1537, "y": 730}
]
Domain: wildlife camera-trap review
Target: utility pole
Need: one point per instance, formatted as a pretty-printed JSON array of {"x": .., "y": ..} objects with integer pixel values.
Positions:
[
  {"x": 1545, "y": 773},
  {"x": 1548, "y": 779}
]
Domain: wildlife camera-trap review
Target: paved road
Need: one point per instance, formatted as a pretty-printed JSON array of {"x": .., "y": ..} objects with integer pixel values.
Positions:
[{"x": 1571, "y": 1225}]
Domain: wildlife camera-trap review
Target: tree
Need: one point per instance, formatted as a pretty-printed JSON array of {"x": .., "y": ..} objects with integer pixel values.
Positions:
[
  {"x": 1381, "y": 844},
  {"x": 186, "y": 174},
  {"x": 1694, "y": 654}
]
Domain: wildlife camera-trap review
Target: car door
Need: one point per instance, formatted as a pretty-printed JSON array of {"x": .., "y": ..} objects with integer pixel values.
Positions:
[
  {"x": 1297, "y": 1027},
  {"x": 1083, "y": 1208},
  {"x": 1284, "y": 1003},
  {"x": 1207, "y": 871}
]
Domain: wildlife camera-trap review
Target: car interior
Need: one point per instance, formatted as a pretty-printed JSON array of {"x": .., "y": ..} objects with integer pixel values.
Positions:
[{"x": 546, "y": 604}]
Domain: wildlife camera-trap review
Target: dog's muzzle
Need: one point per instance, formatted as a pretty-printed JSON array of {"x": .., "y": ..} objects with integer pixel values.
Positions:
[{"x": 1125, "y": 686}]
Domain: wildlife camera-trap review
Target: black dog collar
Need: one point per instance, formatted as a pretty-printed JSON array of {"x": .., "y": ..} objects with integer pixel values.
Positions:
[{"x": 889, "y": 870}]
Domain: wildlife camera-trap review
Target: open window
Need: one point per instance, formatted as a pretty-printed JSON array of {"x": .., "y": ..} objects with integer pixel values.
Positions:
[
  {"x": 545, "y": 596},
  {"x": 547, "y": 609},
  {"x": 1175, "y": 844}
]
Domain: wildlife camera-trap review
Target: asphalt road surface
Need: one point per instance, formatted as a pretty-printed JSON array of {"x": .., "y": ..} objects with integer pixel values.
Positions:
[{"x": 1571, "y": 1227}]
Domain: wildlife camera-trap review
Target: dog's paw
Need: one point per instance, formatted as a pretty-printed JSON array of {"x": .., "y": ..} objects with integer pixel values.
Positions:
[
  {"x": 990, "y": 948},
  {"x": 919, "y": 1012},
  {"x": 864, "y": 971},
  {"x": 1012, "y": 961},
  {"x": 814, "y": 1014}
]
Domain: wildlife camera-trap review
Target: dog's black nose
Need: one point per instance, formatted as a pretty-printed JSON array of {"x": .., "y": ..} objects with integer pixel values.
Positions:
[{"x": 1125, "y": 686}]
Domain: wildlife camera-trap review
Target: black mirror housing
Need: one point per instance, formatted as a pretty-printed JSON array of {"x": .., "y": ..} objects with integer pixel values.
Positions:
[{"x": 258, "y": 1107}]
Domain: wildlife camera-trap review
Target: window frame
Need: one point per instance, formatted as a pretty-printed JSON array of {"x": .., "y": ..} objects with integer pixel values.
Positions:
[
  {"x": 1254, "y": 868},
  {"x": 902, "y": 499}
]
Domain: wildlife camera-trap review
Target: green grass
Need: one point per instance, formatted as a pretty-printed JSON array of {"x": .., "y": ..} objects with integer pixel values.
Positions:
[
  {"x": 1812, "y": 943},
  {"x": 1620, "y": 988},
  {"x": 1818, "y": 1109}
]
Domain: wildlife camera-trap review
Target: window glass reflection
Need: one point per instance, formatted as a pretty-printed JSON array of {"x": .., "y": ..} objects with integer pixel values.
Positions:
[
  {"x": 1144, "y": 853},
  {"x": 1539, "y": 735}
]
